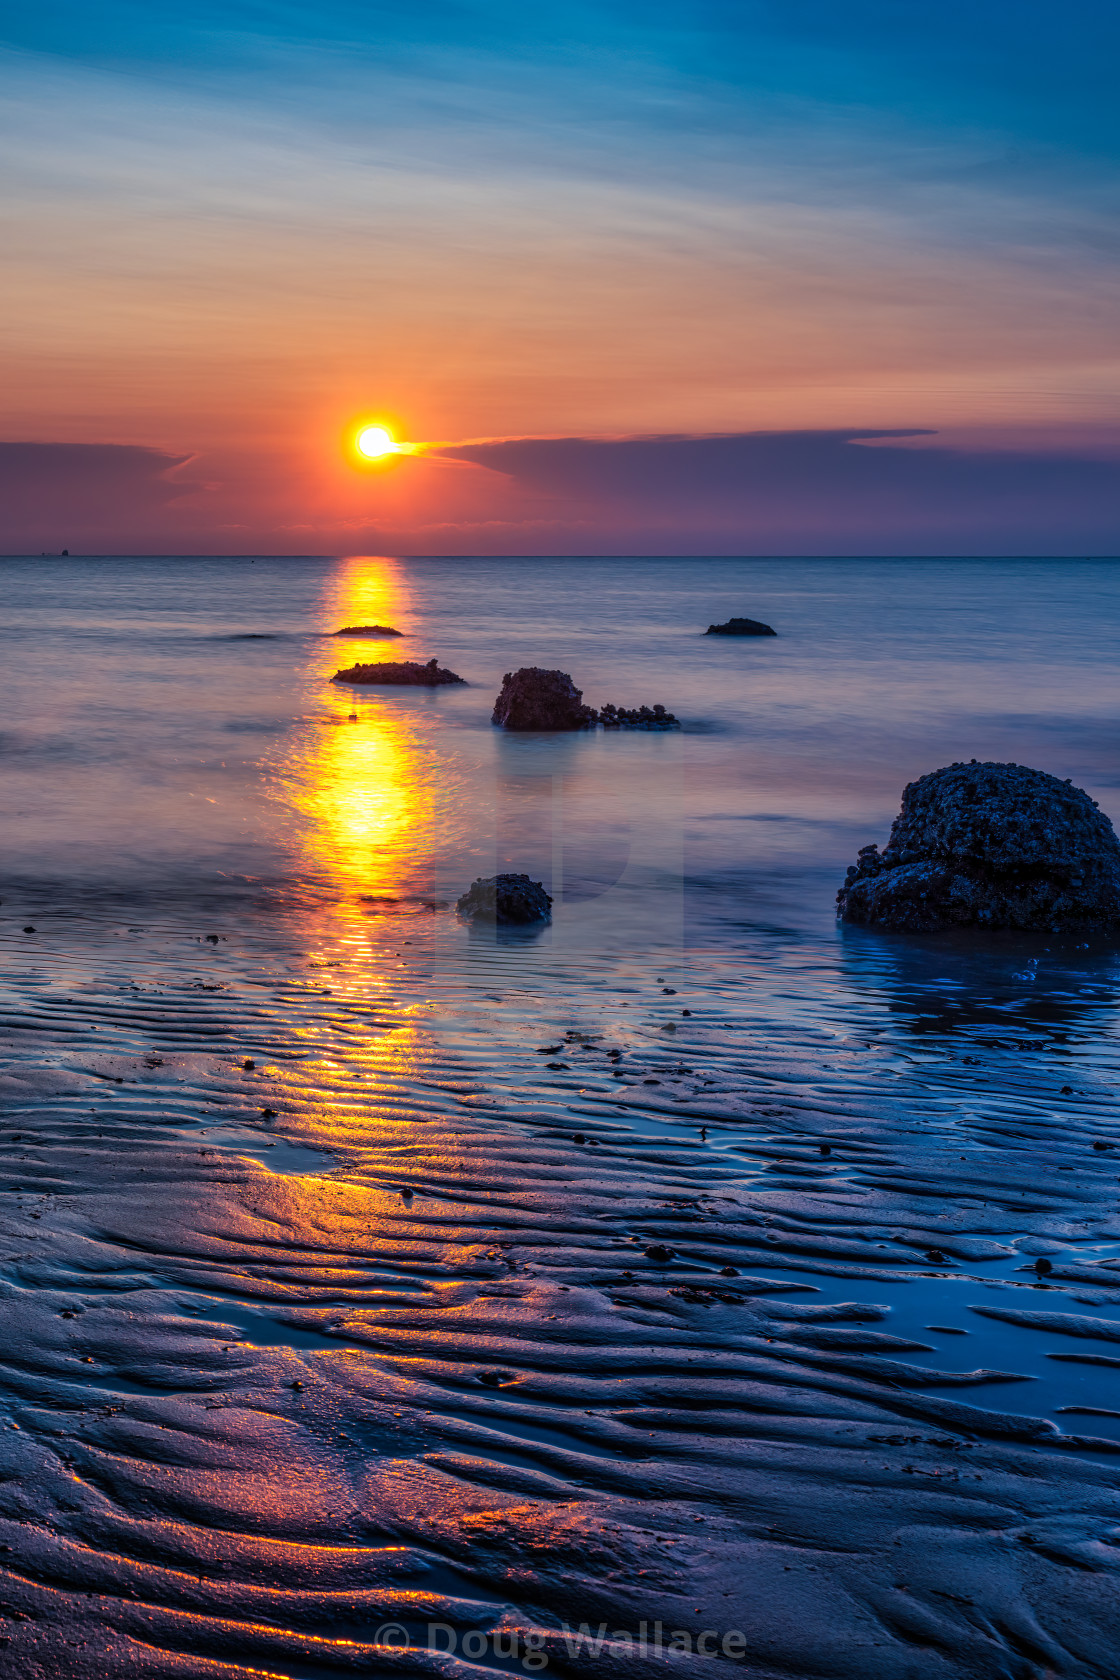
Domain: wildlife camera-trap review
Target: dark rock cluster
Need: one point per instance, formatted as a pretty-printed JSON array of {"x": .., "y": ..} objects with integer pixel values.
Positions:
[
  {"x": 533, "y": 698},
  {"x": 431, "y": 675},
  {"x": 536, "y": 699},
  {"x": 367, "y": 630},
  {"x": 645, "y": 717},
  {"x": 990, "y": 845},
  {"x": 740, "y": 627},
  {"x": 505, "y": 898}
]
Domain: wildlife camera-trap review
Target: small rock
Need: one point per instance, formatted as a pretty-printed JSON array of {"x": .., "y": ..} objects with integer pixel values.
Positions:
[
  {"x": 937, "y": 1257},
  {"x": 658, "y": 1251},
  {"x": 1066, "y": 1091},
  {"x": 578, "y": 1137},
  {"x": 1043, "y": 1267},
  {"x": 248, "y": 1064},
  {"x": 825, "y": 1148},
  {"x": 641, "y": 717},
  {"x": 740, "y": 627},
  {"x": 407, "y": 673},
  {"x": 729, "y": 1271},
  {"x": 506, "y": 898},
  {"x": 1101, "y": 1144}
]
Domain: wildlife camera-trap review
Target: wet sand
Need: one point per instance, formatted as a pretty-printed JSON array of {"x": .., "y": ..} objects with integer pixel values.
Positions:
[{"x": 471, "y": 1333}]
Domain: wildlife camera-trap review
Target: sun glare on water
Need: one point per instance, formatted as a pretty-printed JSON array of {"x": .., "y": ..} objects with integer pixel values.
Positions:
[{"x": 373, "y": 441}]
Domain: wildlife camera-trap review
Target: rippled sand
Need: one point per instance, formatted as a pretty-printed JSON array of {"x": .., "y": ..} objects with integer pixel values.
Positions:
[{"x": 442, "y": 1313}]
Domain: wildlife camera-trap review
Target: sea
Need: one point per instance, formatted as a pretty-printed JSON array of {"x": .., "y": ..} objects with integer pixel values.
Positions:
[{"x": 386, "y": 1294}]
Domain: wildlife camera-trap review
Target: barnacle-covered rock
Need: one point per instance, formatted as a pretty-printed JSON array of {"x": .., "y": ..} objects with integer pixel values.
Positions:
[{"x": 990, "y": 845}]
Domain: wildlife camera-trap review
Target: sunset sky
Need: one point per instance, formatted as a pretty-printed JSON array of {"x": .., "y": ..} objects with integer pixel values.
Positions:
[{"x": 638, "y": 277}]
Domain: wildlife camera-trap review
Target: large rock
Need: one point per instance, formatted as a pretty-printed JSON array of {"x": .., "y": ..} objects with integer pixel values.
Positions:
[
  {"x": 536, "y": 699},
  {"x": 740, "y": 627},
  {"x": 368, "y": 630},
  {"x": 994, "y": 845},
  {"x": 505, "y": 898},
  {"x": 430, "y": 675}
]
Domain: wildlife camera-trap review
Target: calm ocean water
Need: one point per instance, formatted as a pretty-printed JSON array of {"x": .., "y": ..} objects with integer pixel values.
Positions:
[
  {"x": 165, "y": 722},
  {"x": 230, "y": 966}
]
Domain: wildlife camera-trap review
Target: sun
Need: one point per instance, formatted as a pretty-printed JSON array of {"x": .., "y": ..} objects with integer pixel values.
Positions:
[{"x": 373, "y": 441}]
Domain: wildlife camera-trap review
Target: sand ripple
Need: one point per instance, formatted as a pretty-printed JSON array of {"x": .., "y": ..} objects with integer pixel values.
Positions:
[{"x": 502, "y": 1296}]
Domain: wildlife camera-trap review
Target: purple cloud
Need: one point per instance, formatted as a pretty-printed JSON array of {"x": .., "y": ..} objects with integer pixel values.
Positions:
[
  {"x": 53, "y": 495},
  {"x": 820, "y": 491}
]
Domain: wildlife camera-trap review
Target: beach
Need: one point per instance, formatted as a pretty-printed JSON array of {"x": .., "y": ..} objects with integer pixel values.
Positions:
[{"x": 385, "y": 1295}]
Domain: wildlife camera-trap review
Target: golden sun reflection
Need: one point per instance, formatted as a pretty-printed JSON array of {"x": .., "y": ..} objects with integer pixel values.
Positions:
[
  {"x": 360, "y": 772},
  {"x": 367, "y": 589},
  {"x": 367, "y": 803}
]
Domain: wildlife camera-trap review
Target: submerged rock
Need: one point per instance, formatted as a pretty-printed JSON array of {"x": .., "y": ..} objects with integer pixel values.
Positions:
[
  {"x": 367, "y": 630},
  {"x": 506, "y": 898},
  {"x": 430, "y": 675},
  {"x": 644, "y": 717},
  {"x": 740, "y": 627},
  {"x": 992, "y": 845},
  {"x": 533, "y": 698}
]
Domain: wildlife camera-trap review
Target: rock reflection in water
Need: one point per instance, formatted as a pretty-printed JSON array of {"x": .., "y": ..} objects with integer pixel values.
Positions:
[{"x": 1047, "y": 988}]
